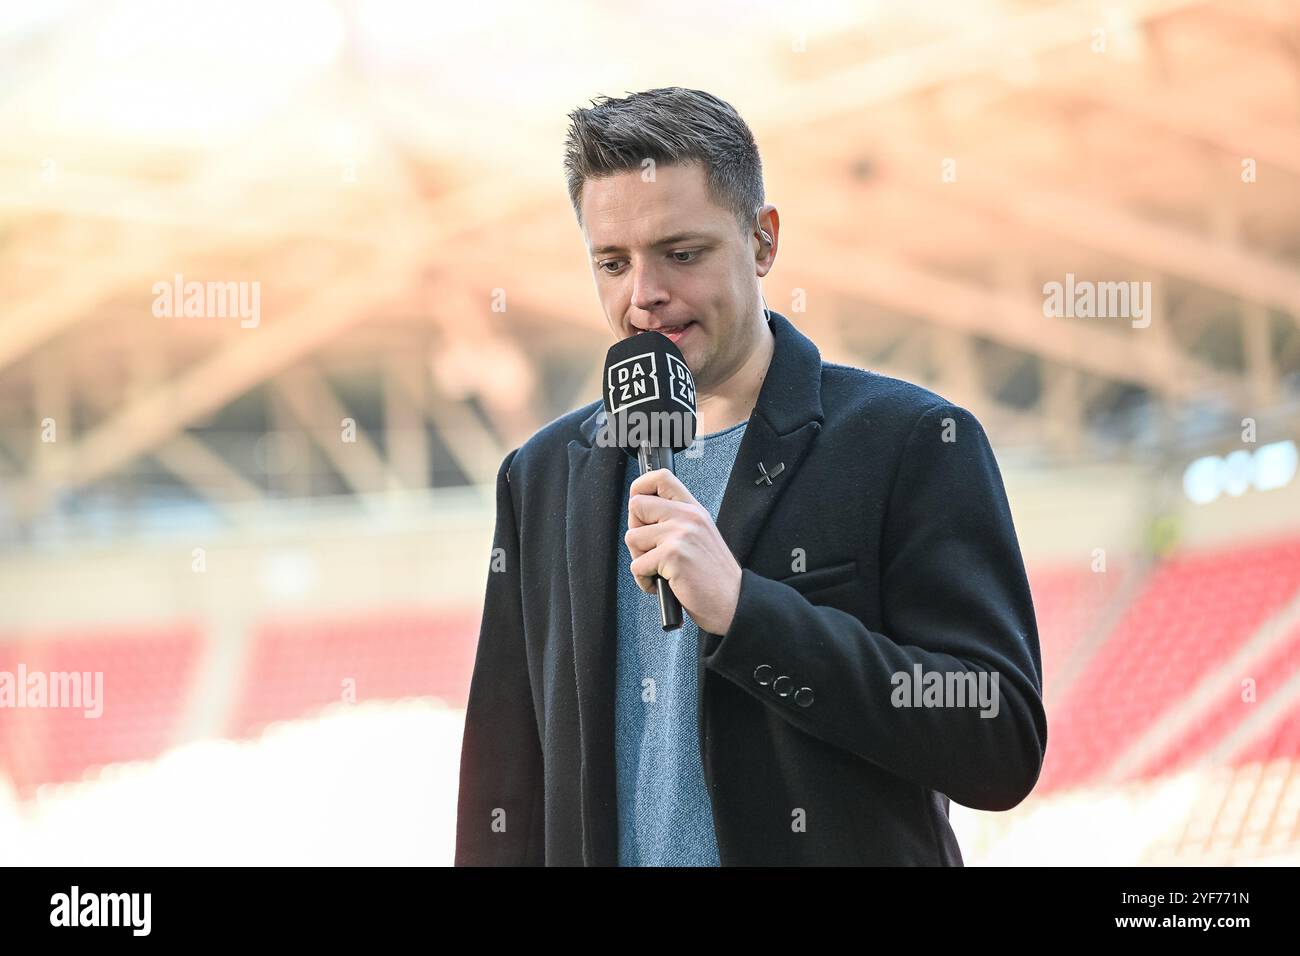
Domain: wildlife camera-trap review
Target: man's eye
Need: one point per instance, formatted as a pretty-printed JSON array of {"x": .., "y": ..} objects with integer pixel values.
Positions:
[{"x": 612, "y": 266}]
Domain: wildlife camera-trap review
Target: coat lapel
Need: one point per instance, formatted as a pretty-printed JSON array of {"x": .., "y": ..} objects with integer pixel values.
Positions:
[
  {"x": 595, "y": 493},
  {"x": 786, "y": 418}
]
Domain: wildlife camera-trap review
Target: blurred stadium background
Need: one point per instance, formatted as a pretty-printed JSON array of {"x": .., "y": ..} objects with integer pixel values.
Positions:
[{"x": 271, "y": 536}]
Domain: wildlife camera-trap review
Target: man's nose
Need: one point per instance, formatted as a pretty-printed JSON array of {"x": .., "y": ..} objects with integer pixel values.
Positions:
[{"x": 648, "y": 289}]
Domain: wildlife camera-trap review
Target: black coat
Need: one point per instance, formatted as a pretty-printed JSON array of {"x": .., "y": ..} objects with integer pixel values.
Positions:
[{"x": 895, "y": 498}]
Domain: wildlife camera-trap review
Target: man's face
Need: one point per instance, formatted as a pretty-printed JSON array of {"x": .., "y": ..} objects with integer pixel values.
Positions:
[{"x": 664, "y": 256}]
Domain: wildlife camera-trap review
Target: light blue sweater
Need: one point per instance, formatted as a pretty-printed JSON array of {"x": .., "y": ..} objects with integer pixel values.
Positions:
[{"x": 664, "y": 814}]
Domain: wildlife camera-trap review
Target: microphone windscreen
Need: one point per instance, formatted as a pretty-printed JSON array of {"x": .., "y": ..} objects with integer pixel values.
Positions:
[{"x": 649, "y": 393}]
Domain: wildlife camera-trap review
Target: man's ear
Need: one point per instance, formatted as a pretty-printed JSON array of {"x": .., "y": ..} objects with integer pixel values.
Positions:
[{"x": 766, "y": 240}]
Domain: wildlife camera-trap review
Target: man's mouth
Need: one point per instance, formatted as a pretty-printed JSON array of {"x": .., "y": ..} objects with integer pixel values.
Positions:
[{"x": 674, "y": 332}]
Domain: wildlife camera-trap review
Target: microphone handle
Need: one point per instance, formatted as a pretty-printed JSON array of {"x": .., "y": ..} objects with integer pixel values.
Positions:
[{"x": 670, "y": 609}]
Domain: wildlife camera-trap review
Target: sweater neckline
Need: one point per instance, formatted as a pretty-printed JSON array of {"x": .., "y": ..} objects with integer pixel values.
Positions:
[{"x": 724, "y": 431}]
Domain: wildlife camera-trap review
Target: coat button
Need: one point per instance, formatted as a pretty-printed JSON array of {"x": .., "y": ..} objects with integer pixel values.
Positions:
[
  {"x": 783, "y": 686},
  {"x": 804, "y": 696},
  {"x": 763, "y": 674}
]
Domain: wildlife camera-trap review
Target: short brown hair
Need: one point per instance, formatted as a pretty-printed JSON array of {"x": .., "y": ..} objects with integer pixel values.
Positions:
[{"x": 670, "y": 126}]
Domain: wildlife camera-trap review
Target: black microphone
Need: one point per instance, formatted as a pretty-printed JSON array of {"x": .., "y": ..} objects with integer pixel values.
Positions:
[{"x": 650, "y": 411}]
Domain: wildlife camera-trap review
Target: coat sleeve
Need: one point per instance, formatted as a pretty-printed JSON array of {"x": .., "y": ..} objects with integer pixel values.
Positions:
[
  {"x": 499, "y": 807},
  {"x": 954, "y": 600}
]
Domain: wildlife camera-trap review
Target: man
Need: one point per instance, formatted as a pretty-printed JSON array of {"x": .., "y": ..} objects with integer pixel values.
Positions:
[{"x": 859, "y": 644}]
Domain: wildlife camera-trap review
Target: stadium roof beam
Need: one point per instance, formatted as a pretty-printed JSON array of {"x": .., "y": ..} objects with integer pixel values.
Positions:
[
  {"x": 1062, "y": 408},
  {"x": 1159, "y": 106},
  {"x": 196, "y": 465},
  {"x": 959, "y": 305},
  {"x": 476, "y": 450},
  {"x": 317, "y": 409},
  {"x": 203, "y": 200},
  {"x": 904, "y": 288},
  {"x": 275, "y": 345},
  {"x": 1087, "y": 221},
  {"x": 829, "y": 98},
  {"x": 202, "y": 469},
  {"x": 1261, "y": 370},
  {"x": 404, "y": 429},
  {"x": 200, "y": 206},
  {"x": 953, "y": 57},
  {"x": 503, "y": 378},
  {"x": 81, "y": 196},
  {"x": 157, "y": 414}
]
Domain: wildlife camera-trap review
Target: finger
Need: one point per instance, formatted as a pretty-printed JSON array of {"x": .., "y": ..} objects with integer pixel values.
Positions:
[
  {"x": 642, "y": 539},
  {"x": 663, "y": 483},
  {"x": 648, "y": 509},
  {"x": 646, "y": 567},
  {"x": 646, "y": 582}
]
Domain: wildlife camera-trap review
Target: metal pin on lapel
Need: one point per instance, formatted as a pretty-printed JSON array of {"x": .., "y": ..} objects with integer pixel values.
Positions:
[{"x": 765, "y": 476}]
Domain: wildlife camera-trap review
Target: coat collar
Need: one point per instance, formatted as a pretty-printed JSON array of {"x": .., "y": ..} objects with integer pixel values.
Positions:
[
  {"x": 791, "y": 392},
  {"x": 786, "y": 418}
]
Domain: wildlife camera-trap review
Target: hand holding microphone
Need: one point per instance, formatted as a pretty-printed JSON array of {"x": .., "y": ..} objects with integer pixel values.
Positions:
[
  {"x": 650, "y": 406},
  {"x": 673, "y": 535}
]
